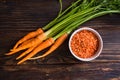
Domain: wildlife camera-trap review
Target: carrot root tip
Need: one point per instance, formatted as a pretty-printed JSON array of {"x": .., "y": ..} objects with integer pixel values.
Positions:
[{"x": 7, "y": 54}]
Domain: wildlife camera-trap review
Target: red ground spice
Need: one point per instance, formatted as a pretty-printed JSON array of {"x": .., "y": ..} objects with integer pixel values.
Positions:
[{"x": 84, "y": 44}]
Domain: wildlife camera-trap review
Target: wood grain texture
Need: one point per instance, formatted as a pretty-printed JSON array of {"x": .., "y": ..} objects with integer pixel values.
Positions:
[{"x": 18, "y": 17}]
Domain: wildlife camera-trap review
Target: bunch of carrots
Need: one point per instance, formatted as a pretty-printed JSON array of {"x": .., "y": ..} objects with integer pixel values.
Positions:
[{"x": 54, "y": 33}]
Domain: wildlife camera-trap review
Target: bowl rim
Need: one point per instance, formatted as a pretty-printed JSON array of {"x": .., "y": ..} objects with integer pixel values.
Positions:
[{"x": 98, "y": 52}]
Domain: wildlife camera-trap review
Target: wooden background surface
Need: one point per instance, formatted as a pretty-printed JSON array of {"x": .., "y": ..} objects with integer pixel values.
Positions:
[{"x": 18, "y": 17}]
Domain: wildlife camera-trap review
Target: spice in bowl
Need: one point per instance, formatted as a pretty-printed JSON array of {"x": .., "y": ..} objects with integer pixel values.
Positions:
[{"x": 85, "y": 44}]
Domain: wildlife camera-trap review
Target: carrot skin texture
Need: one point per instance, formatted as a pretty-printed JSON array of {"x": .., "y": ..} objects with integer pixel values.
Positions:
[
  {"x": 24, "y": 43},
  {"x": 35, "y": 41},
  {"x": 57, "y": 43},
  {"x": 40, "y": 47},
  {"x": 28, "y": 36},
  {"x": 26, "y": 52},
  {"x": 12, "y": 52}
]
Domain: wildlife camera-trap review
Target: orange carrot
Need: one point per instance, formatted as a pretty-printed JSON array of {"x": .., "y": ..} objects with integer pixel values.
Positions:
[
  {"x": 24, "y": 43},
  {"x": 12, "y": 52},
  {"x": 26, "y": 52},
  {"x": 57, "y": 43},
  {"x": 35, "y": 41},
  {"x": 40, "y": 47},
  {"x": 28, "y": 36}
]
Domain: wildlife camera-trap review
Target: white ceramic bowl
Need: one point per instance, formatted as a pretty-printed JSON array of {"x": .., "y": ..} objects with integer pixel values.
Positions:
[{"x": 100, "y": 47}]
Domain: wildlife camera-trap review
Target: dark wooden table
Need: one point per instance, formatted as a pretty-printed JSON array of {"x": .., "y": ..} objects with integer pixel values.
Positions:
[{"x": 18, "y": 17}]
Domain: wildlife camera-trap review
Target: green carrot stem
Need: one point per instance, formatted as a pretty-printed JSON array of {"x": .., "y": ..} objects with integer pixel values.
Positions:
[
  {"x": 68, "y": 14},
  {"x": 75, "y": 3},
  {"x": 78, "y": 23},
  {"x": 53, "y": 22},
  {"x": 68, "y": 19},
  {"x": 59, "y": 15},
  {"x": 91, "y": 17}
]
